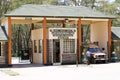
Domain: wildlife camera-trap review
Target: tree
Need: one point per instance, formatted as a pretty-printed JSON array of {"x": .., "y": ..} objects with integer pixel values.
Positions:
[
  {"x": 88, "y": 3},
  {"x": 21, "y": 38},
  {"x": 4, "y": 6},
  {"x": 16, "y": 3},
  {"x": 117, "y": 1},
  {"x": 112, "y": 9}
]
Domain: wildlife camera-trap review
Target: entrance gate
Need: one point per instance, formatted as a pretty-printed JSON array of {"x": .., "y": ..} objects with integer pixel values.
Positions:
[{"x": 56, "y": 51}]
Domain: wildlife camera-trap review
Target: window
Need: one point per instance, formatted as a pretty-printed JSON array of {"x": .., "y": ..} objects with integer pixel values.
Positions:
[
  {"x": 0, "y": 48},
  {"x": 35, "y": 46},
  {"x": 40, "y": 46},
  {"x": 69, "y": 46}
]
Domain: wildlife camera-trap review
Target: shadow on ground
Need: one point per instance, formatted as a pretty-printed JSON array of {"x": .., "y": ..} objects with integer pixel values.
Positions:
[{"x": 26, "y": 65}]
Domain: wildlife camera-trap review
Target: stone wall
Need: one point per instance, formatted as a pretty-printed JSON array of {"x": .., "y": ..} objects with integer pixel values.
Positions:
[
  {"x": 2, "y": 59},
  {"x": 49, "y": 51},
  {"x": 4, "y": 51},
  {"x": 68, "y": 58}
]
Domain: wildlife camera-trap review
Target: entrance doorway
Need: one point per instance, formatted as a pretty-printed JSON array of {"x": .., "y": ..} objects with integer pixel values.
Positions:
[
  {"x": 56, "y": 51},
  {"x": 21, "y": 47}
]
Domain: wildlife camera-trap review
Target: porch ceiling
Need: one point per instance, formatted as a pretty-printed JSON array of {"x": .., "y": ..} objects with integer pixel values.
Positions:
[{"x": 29, "y": 20}]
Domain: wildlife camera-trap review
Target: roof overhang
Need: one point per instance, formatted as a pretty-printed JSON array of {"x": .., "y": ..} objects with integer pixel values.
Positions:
[
  {"x": 25, "y": 20},
  {"x": 27, "y": 14},
  {"x": 49, "y": 11}
]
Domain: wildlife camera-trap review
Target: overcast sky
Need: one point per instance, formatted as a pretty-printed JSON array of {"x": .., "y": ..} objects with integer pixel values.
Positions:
[
  {"x": 111, "y": 0},
  {"x": 107, "y": 0}
]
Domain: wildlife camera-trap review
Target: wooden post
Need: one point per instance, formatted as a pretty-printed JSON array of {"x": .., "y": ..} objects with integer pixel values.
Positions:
[
  {"x": 32, "y": 28},
  {"x": 9, "y": 41},
  {"x": 44, "y": 41},
  {"x": 79, "y": 40},
  {"x": 109, "y": 39},
  {"x": 63, "y": 24}
]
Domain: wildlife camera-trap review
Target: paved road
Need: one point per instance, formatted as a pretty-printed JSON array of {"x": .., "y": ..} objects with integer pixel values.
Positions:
[{"x": 109, "y": 71}]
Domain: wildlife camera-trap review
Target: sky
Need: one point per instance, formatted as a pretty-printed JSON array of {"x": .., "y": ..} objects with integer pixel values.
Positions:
[
  {"x": 107, "y": 0},
  {"x": 77, "y": 0},
  {"x": 111, "y": 0}
]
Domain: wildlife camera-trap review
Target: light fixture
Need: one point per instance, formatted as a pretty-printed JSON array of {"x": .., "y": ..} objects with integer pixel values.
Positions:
[
  {"x": 28, "y": 18},
  {"x": 66, "y": 20}
]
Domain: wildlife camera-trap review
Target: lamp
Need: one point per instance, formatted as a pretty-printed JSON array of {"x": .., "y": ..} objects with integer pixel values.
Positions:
[
  {"x": 28, "y": 18},
  {"x": 66, "y": 20}
]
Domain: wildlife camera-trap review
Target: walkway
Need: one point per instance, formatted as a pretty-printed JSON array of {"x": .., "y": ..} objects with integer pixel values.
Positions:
[{"x": 109, "y": 71}]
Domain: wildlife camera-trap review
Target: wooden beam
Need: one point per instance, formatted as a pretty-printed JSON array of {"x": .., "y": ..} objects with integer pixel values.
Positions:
[
  {"x": 9, "y": 41},
  {"x": 54, "y": 21},
  {"x": 45, "y": 41},
  {"x": 79, "y": 40},
  {"x": 17, "y": 21},
  {"x": 109, "y": 39}
]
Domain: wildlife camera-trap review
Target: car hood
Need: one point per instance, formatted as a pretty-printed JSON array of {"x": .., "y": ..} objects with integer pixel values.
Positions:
[{"x": 99, "y": 53}]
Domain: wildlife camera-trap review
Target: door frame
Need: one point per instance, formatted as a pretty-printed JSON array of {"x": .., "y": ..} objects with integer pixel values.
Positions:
[{"x": 59, "y": 49}]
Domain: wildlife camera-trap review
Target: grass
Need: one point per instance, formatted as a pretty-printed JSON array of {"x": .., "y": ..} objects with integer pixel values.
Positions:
[{"x": 10, "y": 72}]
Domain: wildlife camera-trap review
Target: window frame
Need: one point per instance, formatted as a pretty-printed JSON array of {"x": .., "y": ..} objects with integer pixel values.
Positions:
[
  {"x": 35, "y": 46},
  {"x": 40, "y": 46},
  {"x": 0, "y": 49},
  {"x": 69, "y": 46}
]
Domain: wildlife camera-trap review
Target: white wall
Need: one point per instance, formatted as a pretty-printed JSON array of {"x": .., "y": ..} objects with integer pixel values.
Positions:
[
  {"x": 37, "y": 35},
  {"x": 99, "y": 32}
]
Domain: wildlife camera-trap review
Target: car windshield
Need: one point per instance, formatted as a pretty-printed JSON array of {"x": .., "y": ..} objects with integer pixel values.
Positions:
[{"x": 93, "y": 49}]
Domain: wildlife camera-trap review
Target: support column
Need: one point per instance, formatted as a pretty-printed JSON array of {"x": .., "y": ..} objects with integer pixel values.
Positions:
[
  {"x": 63, "y": 24},
  {"x": 44, "y": 41},
  {"x": 109, "y": 39},
  {"x": 79, "y": 41},
  {"x": 9, "y": 41},
  {"x": 32, "y": 28}
]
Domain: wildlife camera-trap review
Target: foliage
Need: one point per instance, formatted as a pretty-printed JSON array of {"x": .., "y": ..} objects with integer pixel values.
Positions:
[
  {"x": 10, "y": 72},
  {"x": 103, "y": 6},
  {"x": 21, "y": 37},
  {"x": 117, "y": 1},
  {"x": 111, "y": 9},
  {"x": 17, "y": 3},
  {"x": 4, "y": 6},
  {"x": 88, "y": 3}
]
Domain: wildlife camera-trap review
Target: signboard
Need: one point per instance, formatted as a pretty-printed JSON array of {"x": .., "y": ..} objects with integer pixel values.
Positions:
[{"x": 62, "y": 33}]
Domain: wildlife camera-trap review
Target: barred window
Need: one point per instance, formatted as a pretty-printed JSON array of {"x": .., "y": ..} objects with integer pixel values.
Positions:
[
  {"x": 68, "y": 45},
  {"x": 0, "y": 48},
  {"x": 40, "y": 46},
  {"x": 35, "y": 46}
]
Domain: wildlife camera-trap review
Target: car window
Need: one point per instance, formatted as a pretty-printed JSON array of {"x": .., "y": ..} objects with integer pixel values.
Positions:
[{"x": 93, "y": 49}]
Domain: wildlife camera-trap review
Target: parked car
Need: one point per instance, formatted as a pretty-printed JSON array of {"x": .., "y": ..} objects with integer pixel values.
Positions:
[{"x": 97, "y": 55}]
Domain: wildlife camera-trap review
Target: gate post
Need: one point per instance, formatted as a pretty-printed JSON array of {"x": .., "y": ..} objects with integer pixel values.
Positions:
[
  {"x": 44, "y": 41},
  {"x": 9, "y": 41},
  {"x": 79, "y": 41},
  {"x": 109, "y": 39}
]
